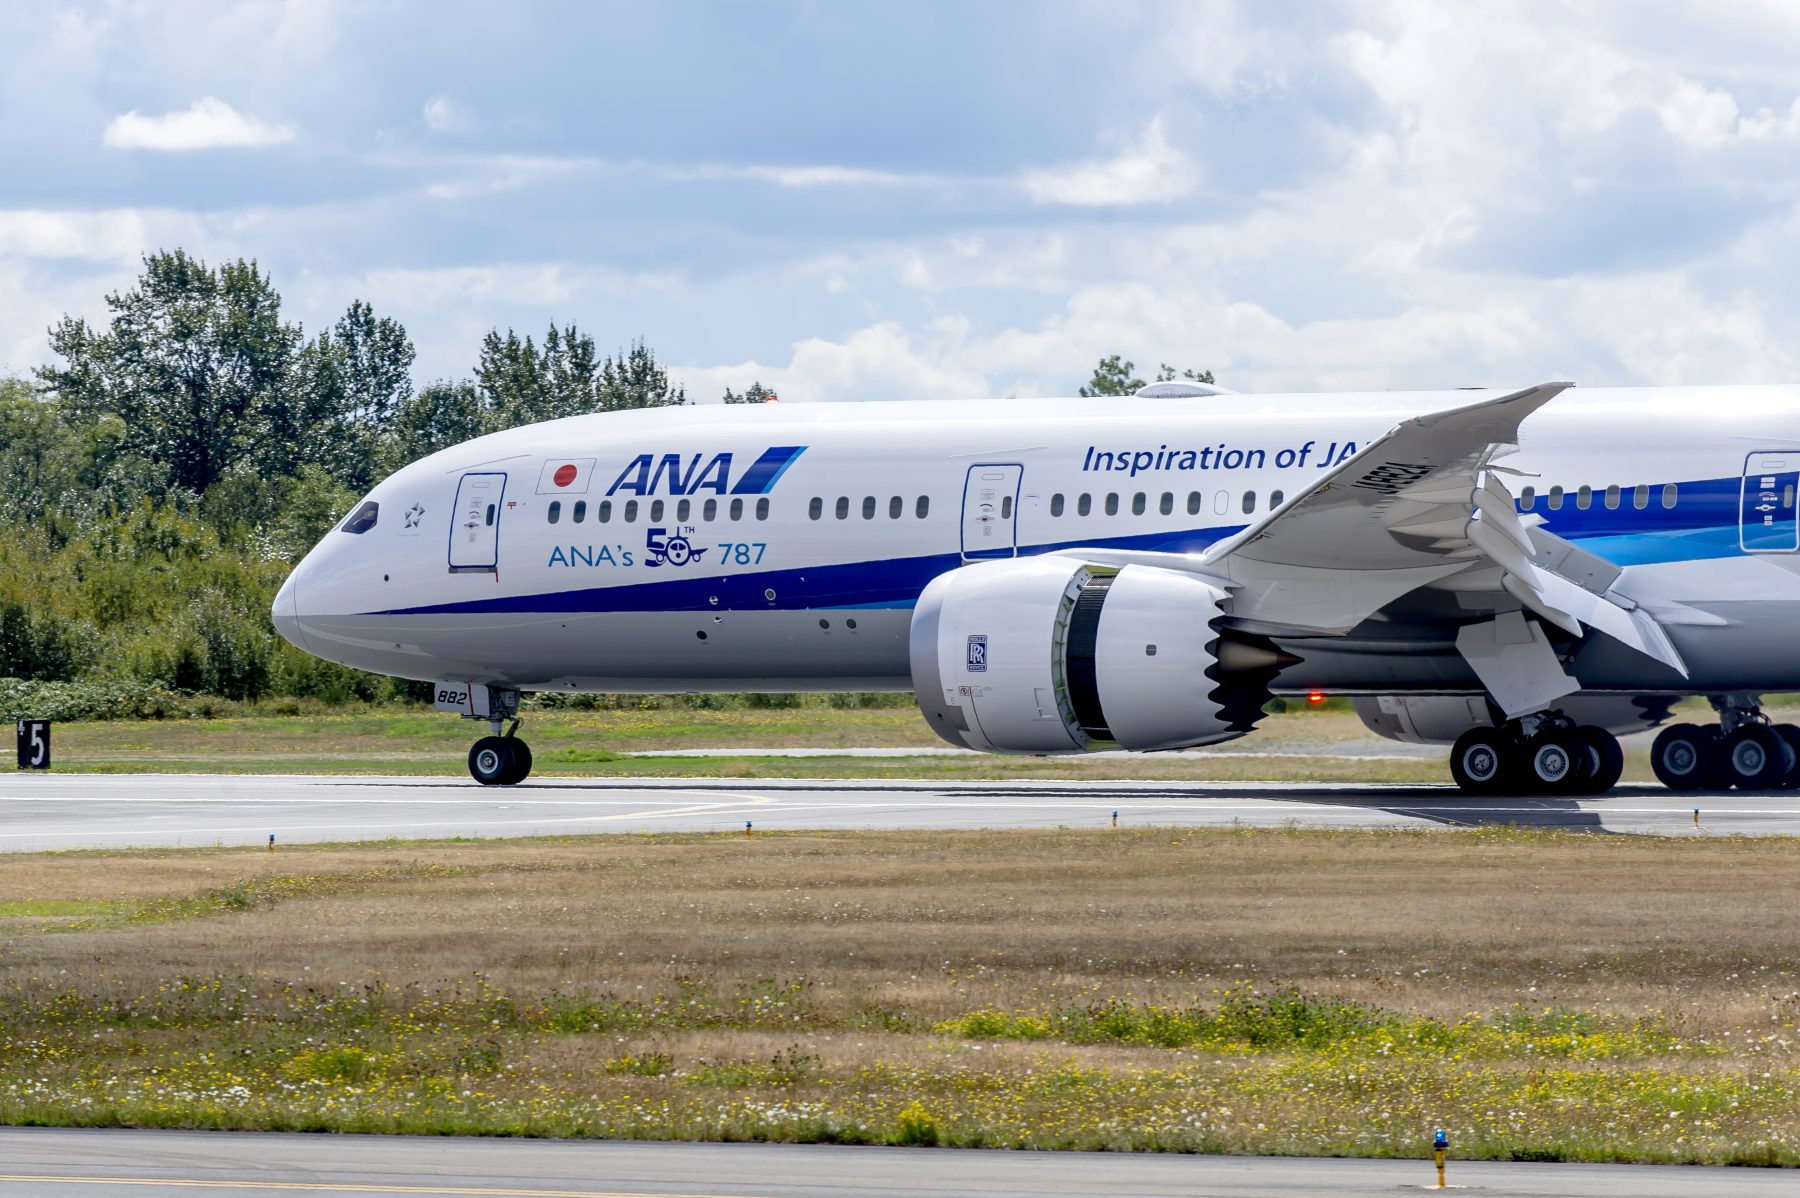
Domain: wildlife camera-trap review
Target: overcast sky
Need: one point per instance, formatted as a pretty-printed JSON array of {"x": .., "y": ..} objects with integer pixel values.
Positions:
[{"x": 874, "y": 201}]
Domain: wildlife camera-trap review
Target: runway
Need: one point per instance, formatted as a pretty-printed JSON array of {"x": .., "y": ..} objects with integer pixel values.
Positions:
[
  {"x": 83, "y": 1163},
  {"x": 74, "y": 811}
]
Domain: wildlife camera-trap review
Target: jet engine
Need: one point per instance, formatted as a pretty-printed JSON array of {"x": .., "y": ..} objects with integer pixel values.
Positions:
[{"x": 1053, "y": 655}]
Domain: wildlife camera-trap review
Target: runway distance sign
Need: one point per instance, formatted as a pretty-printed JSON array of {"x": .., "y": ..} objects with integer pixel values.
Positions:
[{"x": 34, "y": 744}]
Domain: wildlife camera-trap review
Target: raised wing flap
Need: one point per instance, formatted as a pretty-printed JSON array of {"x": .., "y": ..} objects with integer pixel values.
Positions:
[{"x": 1426, "y": 464}]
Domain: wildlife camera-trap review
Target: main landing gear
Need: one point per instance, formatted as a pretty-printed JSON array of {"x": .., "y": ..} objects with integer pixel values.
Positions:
[
  {"x": 1745, "y": 751},
  {"x": 1539, "y": 754},
  {"x": 501, "y": 759}
]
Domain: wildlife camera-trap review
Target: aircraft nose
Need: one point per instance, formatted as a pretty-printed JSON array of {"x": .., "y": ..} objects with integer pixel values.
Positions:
[{"x": 286, "y": 611}]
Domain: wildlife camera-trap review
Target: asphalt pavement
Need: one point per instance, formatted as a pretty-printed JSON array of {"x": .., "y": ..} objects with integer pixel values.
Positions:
[
  {"x": 70, "y": 811},
  {"x": 114, "y": 1163}
]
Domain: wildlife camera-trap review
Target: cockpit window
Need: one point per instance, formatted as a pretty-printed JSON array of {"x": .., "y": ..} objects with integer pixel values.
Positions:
[{"x": 363, "y": 519}]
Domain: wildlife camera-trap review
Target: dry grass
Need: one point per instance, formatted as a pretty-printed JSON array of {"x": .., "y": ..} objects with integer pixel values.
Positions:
[{"x": 825, "y": 986}]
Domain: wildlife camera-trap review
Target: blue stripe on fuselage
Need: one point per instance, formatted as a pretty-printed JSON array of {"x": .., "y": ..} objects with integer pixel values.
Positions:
[{"x": 890, "y": 583}]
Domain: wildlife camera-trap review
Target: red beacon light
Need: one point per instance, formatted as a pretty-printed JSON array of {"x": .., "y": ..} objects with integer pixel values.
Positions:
[
  {"x": 772, "y": 398},
  {"x": 1315, "y": 697}
]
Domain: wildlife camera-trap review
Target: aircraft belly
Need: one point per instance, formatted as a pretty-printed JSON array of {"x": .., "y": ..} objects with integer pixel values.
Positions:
[{"x": 829, "y": 649}]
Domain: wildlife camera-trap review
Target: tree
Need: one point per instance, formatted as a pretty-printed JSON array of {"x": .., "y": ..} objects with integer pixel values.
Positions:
[
  {"x": 1114, "y": 377},
  {"x": 521, "y": 384},
  {"x": 754, "y": 393},
  {"x": 442, "y": 414},
  {"x": 196, "y": 378},
  {"x": 635, "y": 380}
]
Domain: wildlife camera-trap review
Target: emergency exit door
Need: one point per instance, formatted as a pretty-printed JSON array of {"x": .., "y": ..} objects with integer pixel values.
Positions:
[
  {"x": 990, "y": 516},
  {"x": 1768, "y": 521},
  {"x": 475, "y": 524}
]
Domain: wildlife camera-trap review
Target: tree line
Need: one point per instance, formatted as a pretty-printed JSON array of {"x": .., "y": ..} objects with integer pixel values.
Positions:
[{"x": 162, "y": 475}]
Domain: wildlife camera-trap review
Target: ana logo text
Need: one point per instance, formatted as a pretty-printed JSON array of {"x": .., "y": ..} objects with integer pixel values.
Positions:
[{"x": 674, "y": 474}]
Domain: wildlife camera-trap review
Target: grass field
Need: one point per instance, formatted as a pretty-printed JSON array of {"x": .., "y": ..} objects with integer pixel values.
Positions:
[{"x": 1542, "y": 996}]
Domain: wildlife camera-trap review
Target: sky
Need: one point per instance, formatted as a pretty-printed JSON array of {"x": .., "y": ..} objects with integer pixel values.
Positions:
[{"x": 856, "y": 201}]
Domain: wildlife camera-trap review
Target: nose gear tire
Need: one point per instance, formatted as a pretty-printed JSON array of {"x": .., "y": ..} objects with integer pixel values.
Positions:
[{"x": 492, "y": 760}]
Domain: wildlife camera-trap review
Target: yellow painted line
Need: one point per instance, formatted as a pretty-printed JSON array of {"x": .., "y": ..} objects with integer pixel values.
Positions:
[{"x": 330, "y": 1187}]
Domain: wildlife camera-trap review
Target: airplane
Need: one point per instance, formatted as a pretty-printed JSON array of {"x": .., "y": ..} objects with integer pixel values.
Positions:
[{"x": 1521, "y": 576}]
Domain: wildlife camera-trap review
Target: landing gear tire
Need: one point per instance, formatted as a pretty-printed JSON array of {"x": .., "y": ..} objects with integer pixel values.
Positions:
[
  {"x": 521, "y": 766},
  {"x": 1555, "y": 762},
  {"x": 1790, "y": 736},
  {"x": 1754, "y": 757},
  {"x": 1606, "y": 760},
  {"x": 1481, "y": 761},
  {"x": 499, "y": 761},
  {"x": 1683, "y": 757}
]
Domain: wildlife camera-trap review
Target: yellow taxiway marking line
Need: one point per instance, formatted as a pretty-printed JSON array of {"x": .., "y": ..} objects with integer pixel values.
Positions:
[{"x": 338, "y": 1187}]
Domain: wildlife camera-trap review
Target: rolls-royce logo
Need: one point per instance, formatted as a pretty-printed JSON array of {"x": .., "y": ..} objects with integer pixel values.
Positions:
[{"x": 978, "y": 655}]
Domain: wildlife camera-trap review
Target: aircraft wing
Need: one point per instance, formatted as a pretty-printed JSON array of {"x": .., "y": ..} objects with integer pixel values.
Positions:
[{"x": 1422, "y": 505}]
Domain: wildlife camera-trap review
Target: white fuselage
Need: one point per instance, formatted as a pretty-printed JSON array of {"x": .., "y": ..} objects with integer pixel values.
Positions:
[{"x": 781, "y": 547}]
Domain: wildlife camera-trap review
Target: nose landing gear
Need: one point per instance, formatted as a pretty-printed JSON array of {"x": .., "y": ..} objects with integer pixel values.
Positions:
[{"x": 500, "y": 760}]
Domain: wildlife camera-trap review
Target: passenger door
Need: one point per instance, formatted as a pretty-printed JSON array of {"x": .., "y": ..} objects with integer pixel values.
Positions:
[
  {"x": 990, "y": 515},
  {"x": 1768, "y": 521},
  {"x": 475, "y": 523}
]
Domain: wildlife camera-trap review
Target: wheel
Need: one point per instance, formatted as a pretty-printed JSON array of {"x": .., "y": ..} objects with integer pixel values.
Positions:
[
  {"x": 521, "y": 762},
  {"x": 1606, "y": 760},
  {"x": 1683, "y": 757},
  {"x": 1755, "y": 757},
  {"x": 491, "y": 759},
  {"x": 1479, "y": 761},
  {"x": 1556, "y": 762},
  {"x": 1790, "y": 736}
]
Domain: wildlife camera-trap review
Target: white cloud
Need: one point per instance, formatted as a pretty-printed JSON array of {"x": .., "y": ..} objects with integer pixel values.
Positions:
[
  {"x": 109, "y": 235},
  {"x": 209, "y": 124},
  {"x": 1150, "y": 172},
  {"x": 444, "y": 114},
  {"x": 879, "y": 362}
]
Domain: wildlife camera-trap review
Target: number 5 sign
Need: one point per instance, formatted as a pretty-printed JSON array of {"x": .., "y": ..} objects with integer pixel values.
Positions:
[{"x": 34, "y": 744}]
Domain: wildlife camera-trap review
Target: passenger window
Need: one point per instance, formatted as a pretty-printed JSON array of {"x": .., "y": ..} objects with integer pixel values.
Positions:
[
  {"x": 1671, "y": 495},
  {"x": 868, "y": 507},
  {"x": 682, "y": 511},
  {"x": 1221, "y": 501},
  {"x": 1275, "y": 498},
  {"x": 843, "y": 507},
  {"x": 656, "y": 511},
  {"x": 1006, "y": 507},
  {"x": 580, "y": 512},
  {"x": 762, "y": 509},
  {"x": 490, "y": 515},
  {"x": 555, "y": 510},
  {"x": 1137, "y": 504},
  {"x": 1112, "y": 503},
  {"x": 1787, "y": 497},
  {"x": 364, "y": 517},
  {"x": 711, "y": 510},
  {"x": 1168, "y": 503},
  {"x": 1584, "y": 498},
  {"x": 816, "y": 508},
  {"x": 923, "y": 507},
  {"x": 603, "y": 512},
  {"x": 1553, "y": 501},
  {"x": 1194, "y": 499},
  {"x": 631, "y": 511},
  {"x": 1640, "y": 497},
  {"x": 896, "y": 505},
  {"x": 1056, "y": 504},
  {"x": 737, "y": 509},
  {"x": 1527, "y": 498},
  {"x": 1249, "y": 502},
  {"x": 1084, "y": 505},
  {"x": 1612, "y": 497}
]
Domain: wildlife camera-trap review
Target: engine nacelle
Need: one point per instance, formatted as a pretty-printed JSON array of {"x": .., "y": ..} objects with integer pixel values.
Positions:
[
  {"x": 1051, "y": 655},
  {"x": 1440, "y": 719}
]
